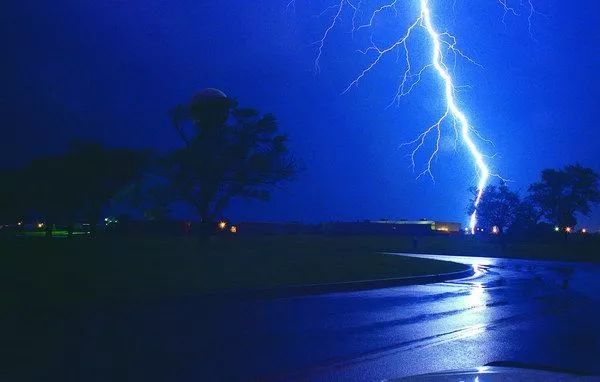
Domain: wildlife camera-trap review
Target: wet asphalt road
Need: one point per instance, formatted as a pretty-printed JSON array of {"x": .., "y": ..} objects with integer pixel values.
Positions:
[{"x": 513, "y": 310}]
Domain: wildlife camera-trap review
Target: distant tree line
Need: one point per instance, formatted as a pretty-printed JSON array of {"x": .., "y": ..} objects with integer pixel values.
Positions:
[
  {"x": 226, "y": 152},
  {"x": 229, "y": 152},
  {"x": 550, "y": 204},
  {"x": 69, "y": 188}
]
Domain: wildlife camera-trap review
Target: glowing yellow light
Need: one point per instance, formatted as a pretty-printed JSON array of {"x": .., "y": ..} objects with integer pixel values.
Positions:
[
  {"x": 568, "y": 229},
  {"x": 40, "y": 225},
  {"x": 233, "y": 229},
  {"x": 222, "y": 224}
]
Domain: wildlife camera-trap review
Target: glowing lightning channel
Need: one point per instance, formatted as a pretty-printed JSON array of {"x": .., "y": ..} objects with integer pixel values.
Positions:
[
  {"x": 440, "y": 43},
  {"x": 484, "y": 172}
]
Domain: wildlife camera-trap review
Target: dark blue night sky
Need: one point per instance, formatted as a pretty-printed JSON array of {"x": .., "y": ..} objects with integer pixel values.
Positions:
[{"x": 110, "y": 70}]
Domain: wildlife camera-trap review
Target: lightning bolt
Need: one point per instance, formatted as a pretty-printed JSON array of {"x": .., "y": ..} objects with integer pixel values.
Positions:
[
  {"x": 442, "y": 44},
  {"x": 440, "y": 67}
]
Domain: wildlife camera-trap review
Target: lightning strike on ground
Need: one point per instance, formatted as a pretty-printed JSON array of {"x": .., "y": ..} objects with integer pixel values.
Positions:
[{"x": 442, "y": 45}]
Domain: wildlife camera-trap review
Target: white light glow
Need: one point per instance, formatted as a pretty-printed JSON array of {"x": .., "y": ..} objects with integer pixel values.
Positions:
[{"x": 438, "y": 64}]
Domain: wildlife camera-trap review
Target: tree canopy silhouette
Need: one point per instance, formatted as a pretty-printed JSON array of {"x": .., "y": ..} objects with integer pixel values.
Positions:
[
  {"x": 228, "y": 152},
  {"x": 498, "y": 207},
  {"x": 75, "y": 186},
  {"x": 12, "y": 203},
  {"x": 561, "y": 194}
]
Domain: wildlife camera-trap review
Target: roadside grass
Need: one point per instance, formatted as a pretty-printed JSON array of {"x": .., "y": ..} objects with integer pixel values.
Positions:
[
  {"x": 59, "y": 271},
  {"x": 55, "y": 233},
  {"x": 55, "y": 272}
]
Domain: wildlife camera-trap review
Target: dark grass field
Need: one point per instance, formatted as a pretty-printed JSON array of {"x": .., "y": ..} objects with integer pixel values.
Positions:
[
  {"x": 60, "y": 271},
  {"x": 46, "y": 284},
  {"x": 80, "y": 270}
]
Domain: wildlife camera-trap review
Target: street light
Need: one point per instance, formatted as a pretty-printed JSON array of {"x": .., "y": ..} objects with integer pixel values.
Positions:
[
  {"x": 222, "y": 225},
  {"x": 233, "y": 229},
  {"x": 568, "y": 229},
  {"x": 556, "y": 229}
]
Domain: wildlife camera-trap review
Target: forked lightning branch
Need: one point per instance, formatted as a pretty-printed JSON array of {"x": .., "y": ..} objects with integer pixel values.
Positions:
[{"x": 443, "y": 46}]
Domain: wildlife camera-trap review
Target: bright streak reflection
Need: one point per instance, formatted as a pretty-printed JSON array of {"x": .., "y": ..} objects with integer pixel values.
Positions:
[
  {"x": 470, "y": 331},
  {"x": 477, "y": 270},
  {"x": 477, "y": 296}
]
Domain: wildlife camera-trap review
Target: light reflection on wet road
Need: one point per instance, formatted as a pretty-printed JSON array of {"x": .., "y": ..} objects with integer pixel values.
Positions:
[{"x": 511, "y": 310}]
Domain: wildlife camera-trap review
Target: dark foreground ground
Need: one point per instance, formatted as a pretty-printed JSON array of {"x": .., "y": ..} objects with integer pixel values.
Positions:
[
  {"x": 47, "y": 285},
  {"x": 115, "y": 309},
  {"x": 58, "y": 271},
  {"x": 512, "y": 310},
  {"x": 63, "y": 271}
]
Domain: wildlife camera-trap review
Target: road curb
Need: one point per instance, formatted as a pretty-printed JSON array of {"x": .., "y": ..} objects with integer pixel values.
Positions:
[{"x": 348, "y": 286}]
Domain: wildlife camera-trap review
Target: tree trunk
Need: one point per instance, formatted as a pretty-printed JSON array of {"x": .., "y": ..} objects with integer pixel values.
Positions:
[{"x": 205, "y": 226}]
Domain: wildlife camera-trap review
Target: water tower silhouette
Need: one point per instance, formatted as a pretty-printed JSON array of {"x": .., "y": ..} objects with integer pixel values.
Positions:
[{"x": 210, "y": 108}]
